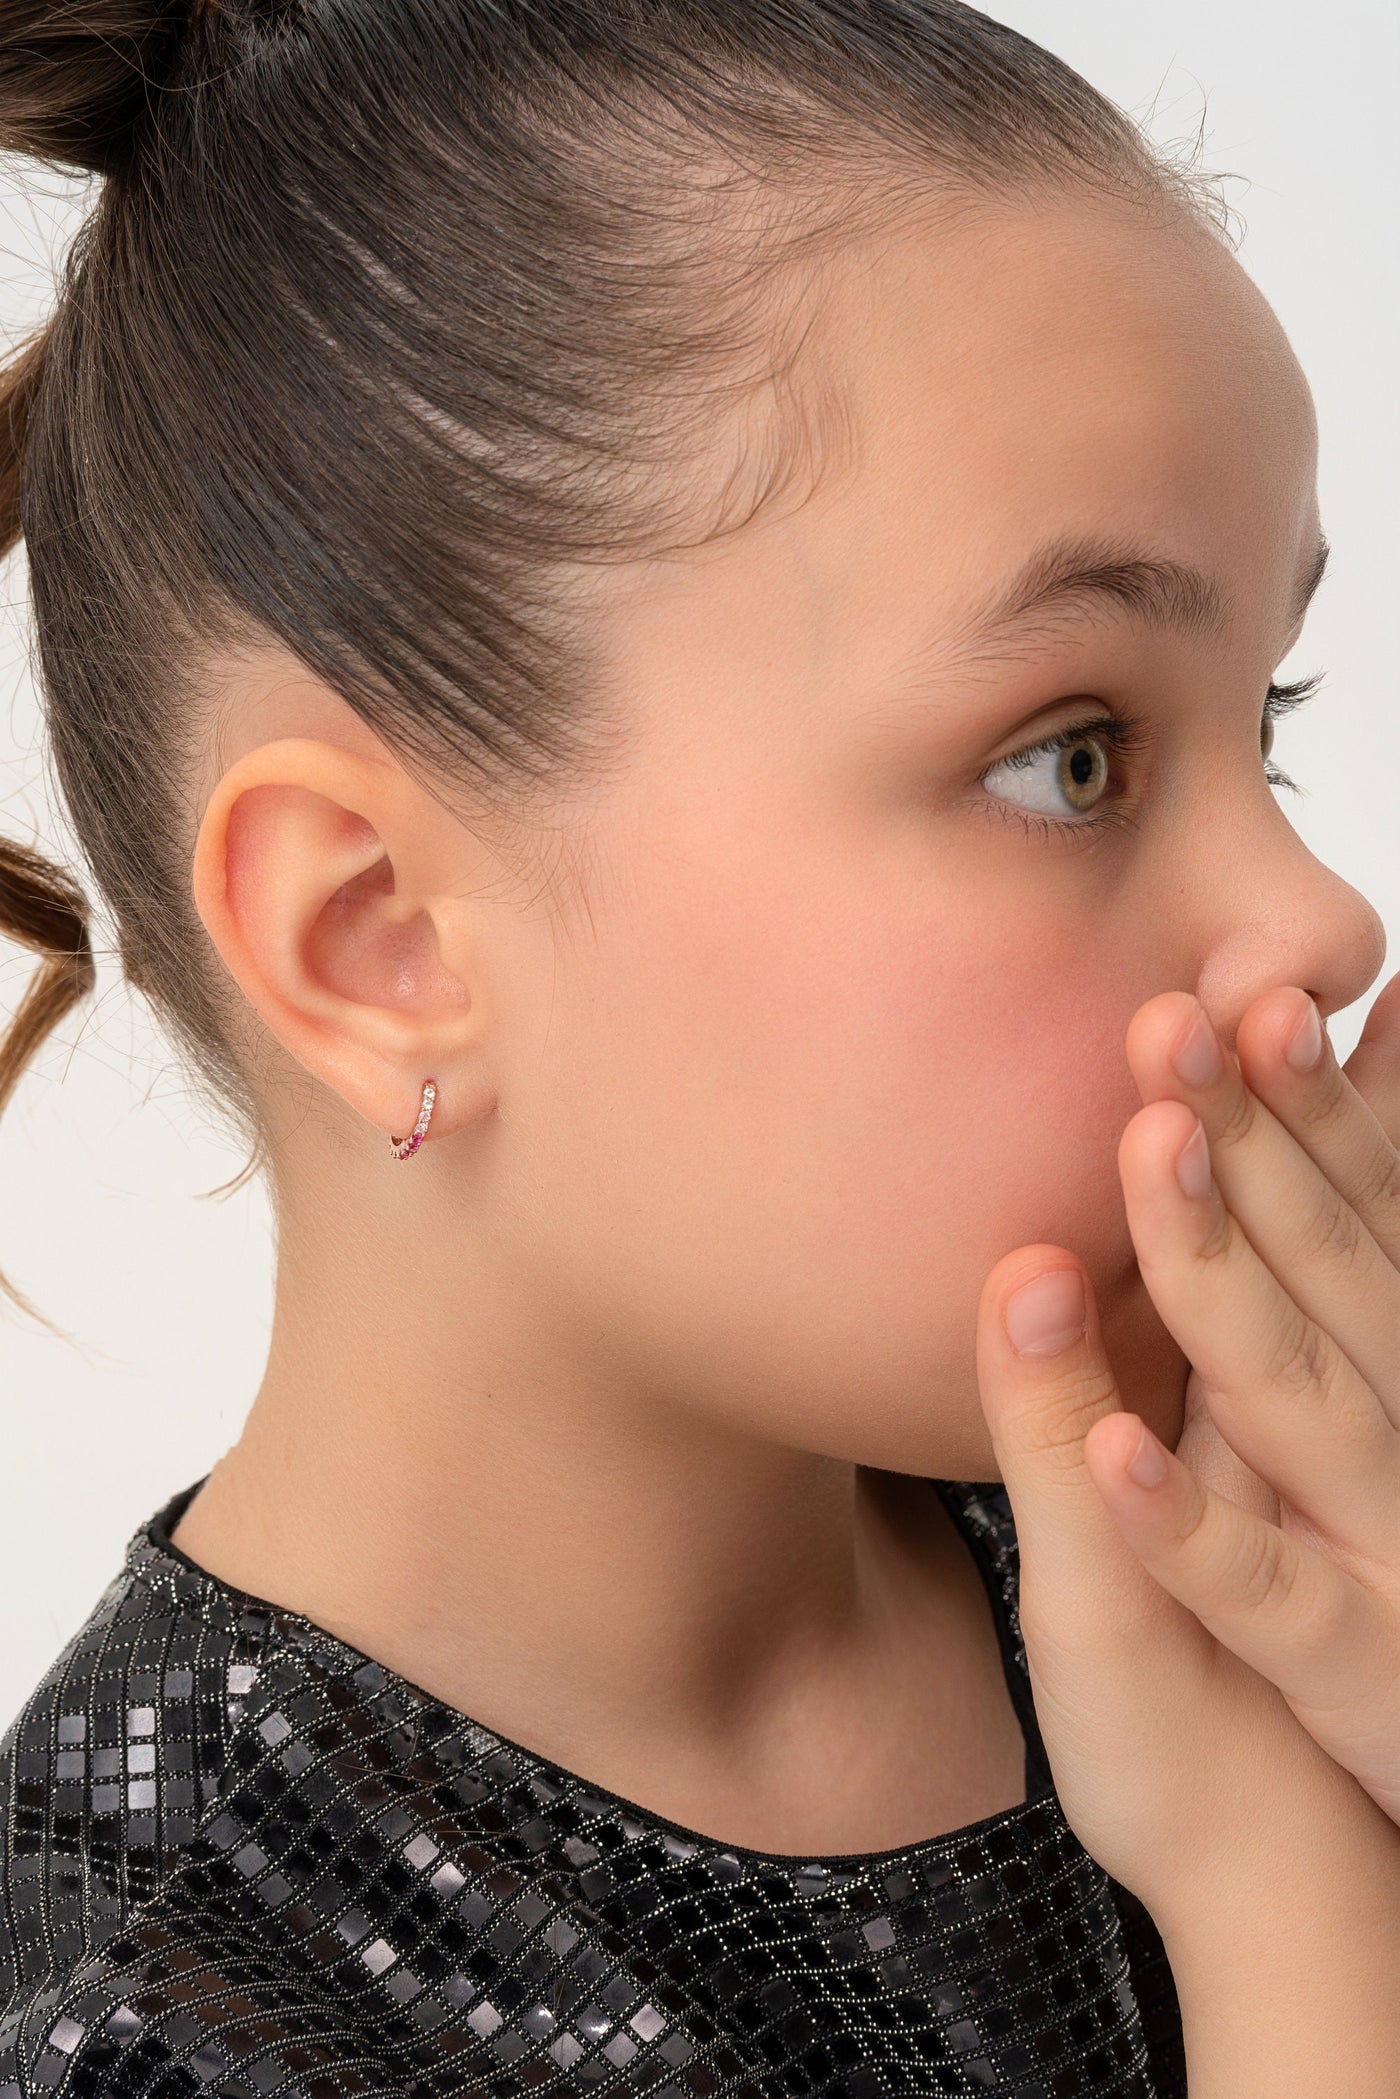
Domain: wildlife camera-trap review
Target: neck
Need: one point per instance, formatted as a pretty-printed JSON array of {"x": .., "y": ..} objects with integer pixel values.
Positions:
[{"x": 609, "y": 1577}]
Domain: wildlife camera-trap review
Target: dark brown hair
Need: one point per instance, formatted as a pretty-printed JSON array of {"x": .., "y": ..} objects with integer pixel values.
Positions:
[{"x": 391, "y": 319}]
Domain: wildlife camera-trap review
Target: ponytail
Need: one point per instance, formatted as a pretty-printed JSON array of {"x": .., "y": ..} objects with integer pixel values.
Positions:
[
  {"x": 40, "y": 905},
  {"x": 19, "y": 383},
  {"x": 44, "y": 909}
]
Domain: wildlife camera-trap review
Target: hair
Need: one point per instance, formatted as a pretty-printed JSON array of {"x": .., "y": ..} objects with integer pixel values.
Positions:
[{"x": 394, "y": 319}]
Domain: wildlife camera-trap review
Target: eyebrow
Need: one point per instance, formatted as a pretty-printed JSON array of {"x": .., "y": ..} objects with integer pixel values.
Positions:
[{"x": 1086, "y": 574}]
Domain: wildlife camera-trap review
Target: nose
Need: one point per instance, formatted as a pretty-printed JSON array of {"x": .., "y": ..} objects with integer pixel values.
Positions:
[{"x": 1276, "y": 914}]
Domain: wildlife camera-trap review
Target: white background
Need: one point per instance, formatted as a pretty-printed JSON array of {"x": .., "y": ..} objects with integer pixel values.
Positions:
[{"x": 106, "y": 1167}]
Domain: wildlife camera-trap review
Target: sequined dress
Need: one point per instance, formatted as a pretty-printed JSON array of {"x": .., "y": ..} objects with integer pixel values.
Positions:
[{"x": 240, "y": 1858}]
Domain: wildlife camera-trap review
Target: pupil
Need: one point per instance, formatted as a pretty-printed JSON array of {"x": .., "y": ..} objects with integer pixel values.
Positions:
[{"x": 1081, "y": 767}]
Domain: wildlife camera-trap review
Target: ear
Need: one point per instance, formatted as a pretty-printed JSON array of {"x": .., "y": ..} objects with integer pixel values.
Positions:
[{"x": 339, "y": 895}]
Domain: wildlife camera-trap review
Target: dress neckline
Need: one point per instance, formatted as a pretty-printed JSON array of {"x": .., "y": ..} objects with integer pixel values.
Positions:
[{"x": 980, "y": 1511}]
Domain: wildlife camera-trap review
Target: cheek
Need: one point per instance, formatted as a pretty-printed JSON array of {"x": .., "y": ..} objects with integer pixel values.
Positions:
[
  {"x": 782, "y": 1139},
  {"x": 978, "y": 1087},
  {"x": 985, "y": 1088}
]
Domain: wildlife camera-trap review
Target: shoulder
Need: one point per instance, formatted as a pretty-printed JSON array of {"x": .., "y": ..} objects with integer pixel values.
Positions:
[
  {"x": 112, "y": 1765},
  {"x": 176, "y": 2001}
]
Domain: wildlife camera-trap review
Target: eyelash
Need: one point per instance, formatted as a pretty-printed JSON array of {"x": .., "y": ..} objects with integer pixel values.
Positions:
[{"x": 1127, "y": 736}]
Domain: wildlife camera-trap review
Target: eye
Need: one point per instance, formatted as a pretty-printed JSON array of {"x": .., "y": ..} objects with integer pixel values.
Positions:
[
  {"x": 1068, "y": 778},
  {"x": 1070, "y": 782}
]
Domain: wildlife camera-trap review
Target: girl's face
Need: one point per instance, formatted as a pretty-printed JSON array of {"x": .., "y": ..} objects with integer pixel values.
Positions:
[{"x": 837, "y": 1016}]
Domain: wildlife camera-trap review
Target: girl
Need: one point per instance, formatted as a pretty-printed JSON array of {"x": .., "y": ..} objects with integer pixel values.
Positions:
[{"x": 663, "y": 613}]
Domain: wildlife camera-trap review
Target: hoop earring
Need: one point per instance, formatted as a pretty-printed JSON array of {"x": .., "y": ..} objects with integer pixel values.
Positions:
[{"x": 405, "y": 1147}]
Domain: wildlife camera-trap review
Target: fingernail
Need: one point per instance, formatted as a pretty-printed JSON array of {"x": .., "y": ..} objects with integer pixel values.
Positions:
[
  {"x": 1198, "y": 1060},
  {"x": 1304, "y": 1052},
  {"x": 1044, "y": 1316},
  {"x": 1148, "y": 1463},
  {"x": 1193, "y": 1163}
]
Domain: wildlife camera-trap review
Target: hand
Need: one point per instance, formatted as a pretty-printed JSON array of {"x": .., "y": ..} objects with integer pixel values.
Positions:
[
  {"x": 1278, "y": 1521},
  {"x": 1215, "y": 1660}
]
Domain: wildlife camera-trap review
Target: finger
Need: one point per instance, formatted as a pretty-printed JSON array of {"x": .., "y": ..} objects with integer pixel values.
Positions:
[
  {"x": 1324, "y": 1638},
  {"x": 1044, "y": 1379},
  {"x": 1350, "y": 1136},
  {"x": 1373, "y": 1067},
  {"x": 1297, "y": 1219},
  {"x": 1282, "y": 1394}
]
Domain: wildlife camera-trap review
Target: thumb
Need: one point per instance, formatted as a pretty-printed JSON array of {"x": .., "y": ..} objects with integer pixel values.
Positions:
[{"x": 1044, "y": 1380}]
